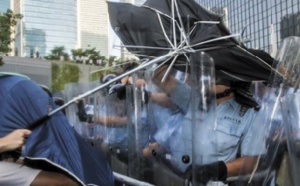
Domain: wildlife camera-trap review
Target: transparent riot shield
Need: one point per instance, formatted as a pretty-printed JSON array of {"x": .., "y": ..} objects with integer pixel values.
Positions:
[
  {"x": 81, "y": 114},
  {"x": 205, "y": 129},
  {"x": 173, "y": 129},
  {"x": 110, "y": 127},
  {"x": 290, "y": 105},
  {"x": 270, "y": 129},
  {"x": 261, "y": 148}
]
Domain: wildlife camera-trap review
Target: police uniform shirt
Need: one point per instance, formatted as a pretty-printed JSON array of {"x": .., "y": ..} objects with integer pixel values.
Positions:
[{"x": 217, "y": 141}]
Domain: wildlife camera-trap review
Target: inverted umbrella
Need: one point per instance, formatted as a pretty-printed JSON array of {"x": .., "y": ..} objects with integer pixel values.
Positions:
[{"x": 162, "y": 26}]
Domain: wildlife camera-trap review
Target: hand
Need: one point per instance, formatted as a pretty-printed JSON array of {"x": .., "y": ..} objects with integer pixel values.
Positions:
[
  {"x": 82, "y": 115},
  {"x": 204, "y": 173},
  {"x": 119, "y": 89},
  {"x": 140, "y": 83},
  {"x": 152, "y": 149},
  {"x": 14, "y": 140}
]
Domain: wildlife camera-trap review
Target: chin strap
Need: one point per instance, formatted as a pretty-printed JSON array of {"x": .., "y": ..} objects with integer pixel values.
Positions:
[{"x": 224, "y": 94}]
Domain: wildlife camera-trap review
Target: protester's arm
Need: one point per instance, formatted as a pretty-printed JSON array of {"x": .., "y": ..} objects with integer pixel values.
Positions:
[
  {"x": 14, "y": 140},
  {"x": 162, "y": 99},
  {"x": 112, "y": 121},
  {"x": 168, "y": 85}
]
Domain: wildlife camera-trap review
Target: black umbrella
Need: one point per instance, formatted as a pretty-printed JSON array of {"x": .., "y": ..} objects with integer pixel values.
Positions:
[{"x": 161, "y": 26}]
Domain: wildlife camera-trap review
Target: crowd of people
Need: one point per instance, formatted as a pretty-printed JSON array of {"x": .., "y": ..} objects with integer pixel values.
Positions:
[
  {"x": 203, "y": 132},
  {"x": 163, "y": 128}
]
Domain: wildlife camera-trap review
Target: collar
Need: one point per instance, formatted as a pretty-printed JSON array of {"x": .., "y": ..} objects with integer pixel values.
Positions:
[
  {"x": 232, "y": 103},
  {"x": 224, "y": 94}
]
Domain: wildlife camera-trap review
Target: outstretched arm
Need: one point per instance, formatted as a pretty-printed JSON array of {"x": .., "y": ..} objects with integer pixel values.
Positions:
[
  {"x": 170, "y": 82},
  {"x": 112, "y": 121}
]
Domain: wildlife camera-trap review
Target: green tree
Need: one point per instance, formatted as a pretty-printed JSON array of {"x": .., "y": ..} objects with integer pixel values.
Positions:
[
  {"x": 88, "y": 54},
  {"x": 63, "y": 74},
  {"x": 58, "y": 52},
  {"x": 8, "y": 20}
]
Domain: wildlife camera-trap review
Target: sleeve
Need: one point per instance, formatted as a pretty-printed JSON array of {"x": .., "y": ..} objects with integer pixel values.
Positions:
[
  {"x": 181, "y": 96},
  {"x": 253, "y": 140}
]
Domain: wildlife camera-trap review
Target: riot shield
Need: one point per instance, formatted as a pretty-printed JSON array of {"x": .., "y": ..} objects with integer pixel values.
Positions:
[
  {"x": 272, "y": 127},
  {"x": 110, "y": 128},
  {"x": 81, "y": 114},
  {"x": 261, "y": 148},
  {"x": 173, "y": 127},
  {"x": 290, "y": 103}
]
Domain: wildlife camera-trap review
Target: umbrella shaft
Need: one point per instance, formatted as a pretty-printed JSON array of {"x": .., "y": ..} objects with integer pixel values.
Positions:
[{"x": 75, "y": 99}]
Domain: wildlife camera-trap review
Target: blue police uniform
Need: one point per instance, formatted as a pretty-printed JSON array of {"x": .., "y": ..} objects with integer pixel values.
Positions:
[
  {"x": 218, "y": 141},
  {"x": 118, "y": 136}
]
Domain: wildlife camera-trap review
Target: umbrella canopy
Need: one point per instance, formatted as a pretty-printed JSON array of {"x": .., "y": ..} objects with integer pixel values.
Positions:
[
  {"x": 55, "y": 141},
  {"x": 161, "y": 26}
]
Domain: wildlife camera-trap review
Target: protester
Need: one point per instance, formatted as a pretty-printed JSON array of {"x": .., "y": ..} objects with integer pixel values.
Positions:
[
  {"x": 53, "y": 144},
  {"x": 16, "y": 174}
]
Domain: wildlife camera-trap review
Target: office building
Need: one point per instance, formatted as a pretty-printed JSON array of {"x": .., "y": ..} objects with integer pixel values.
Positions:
[
  {"x": 4, "y": 5},
  {"x": 93, "y": 25},
  {"x": 265, "y": 23},
  {"x": 46, "y": 24}
]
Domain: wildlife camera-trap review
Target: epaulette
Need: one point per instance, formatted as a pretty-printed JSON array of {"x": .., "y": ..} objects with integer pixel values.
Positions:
[{"x": 243, "y": 110}]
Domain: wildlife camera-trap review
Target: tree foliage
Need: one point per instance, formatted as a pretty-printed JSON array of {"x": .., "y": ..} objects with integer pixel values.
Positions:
[
  {"x": 7, "y": 21},
  {"x": 63, "y": 74},
  {"x": 81, "y": 56},
  {"x": 58, "y": 53}
]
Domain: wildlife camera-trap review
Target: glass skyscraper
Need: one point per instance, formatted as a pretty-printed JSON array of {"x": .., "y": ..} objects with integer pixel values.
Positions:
[
  {"x": 45, "y": 25},
  {"x": 4, "y": 5},
  {"x": 264, "y": 22}
]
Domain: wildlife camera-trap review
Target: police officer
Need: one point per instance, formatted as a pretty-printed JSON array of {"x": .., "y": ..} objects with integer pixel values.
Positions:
[{"x": 236, "y": 110}]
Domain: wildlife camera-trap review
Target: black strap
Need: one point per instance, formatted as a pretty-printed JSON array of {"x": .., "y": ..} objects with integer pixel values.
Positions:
[{"x": 224, "y": 94}]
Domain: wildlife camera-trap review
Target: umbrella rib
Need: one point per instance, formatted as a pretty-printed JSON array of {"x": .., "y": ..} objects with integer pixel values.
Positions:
[
  {"x": 181, "y": 24},
  {"x": 216, "y": 39},
  {"x": 145, "y": 47},
  {"x": 174, "y": 25},
  {"x": 163, "y": 29},
  {"x": 232, "y": 75},
  {"x": 162, "y": 63},
  {"x": 194, "y": 27},
  {"x": 136, "y": 53},
  {"x": 109, "y": 67},
  {"x": 169, "y": 69},
  {"x": 157, "y": 11},
  {"x": 207, "y": 22},
  {"x": 156, "y": 60},
  {"x": 275, "y": 70}
]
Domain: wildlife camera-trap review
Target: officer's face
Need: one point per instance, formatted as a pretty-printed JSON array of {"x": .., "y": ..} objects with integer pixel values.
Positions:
[{"x": 221, "y": 88}]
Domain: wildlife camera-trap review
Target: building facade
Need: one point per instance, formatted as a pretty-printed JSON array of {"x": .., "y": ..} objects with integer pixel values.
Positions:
[
  {"x": 263, "y": 23},
  {"x": 4, "y": 5},
  {"x": 93, "y": 25},
  {"x": 45, "y": 25}
]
